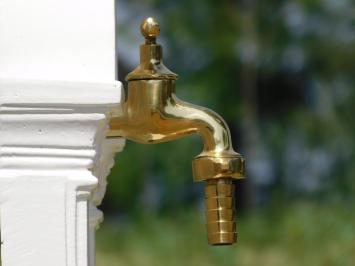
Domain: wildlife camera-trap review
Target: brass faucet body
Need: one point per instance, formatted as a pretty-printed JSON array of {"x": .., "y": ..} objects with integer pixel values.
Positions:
[{"x": 152, "y": 113}]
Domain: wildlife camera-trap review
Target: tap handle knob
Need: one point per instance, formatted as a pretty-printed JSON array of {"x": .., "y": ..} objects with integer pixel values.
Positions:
[{"x": 150, "y": 29}]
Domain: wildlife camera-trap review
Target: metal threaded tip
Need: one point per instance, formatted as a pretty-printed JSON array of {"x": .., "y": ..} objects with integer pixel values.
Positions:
[{"x": 220, "y": 212}]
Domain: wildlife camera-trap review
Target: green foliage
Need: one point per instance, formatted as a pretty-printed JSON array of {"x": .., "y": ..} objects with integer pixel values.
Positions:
[
  {"x": 302, "y": 234},
  {"x": 167, "y": 166}
]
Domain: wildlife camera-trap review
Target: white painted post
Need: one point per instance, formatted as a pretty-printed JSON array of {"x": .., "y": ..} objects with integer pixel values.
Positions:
[{"x": 57, "y": 88}]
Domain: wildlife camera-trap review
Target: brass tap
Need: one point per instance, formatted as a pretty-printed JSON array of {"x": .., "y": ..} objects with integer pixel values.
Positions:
[{"x": 152, "y": 113}]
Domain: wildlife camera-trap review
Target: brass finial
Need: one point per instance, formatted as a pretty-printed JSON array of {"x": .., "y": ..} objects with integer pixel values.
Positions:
[
  {"x": 151, "y": 55},
  {"x": 150, "y": 30}
]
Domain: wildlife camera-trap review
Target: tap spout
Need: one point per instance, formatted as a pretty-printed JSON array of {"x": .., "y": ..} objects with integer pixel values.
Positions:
[{"x": 152, "y": 113}]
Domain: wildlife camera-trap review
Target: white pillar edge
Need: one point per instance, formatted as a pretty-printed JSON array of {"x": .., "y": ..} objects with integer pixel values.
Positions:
[{"x": 54, "y": 160}]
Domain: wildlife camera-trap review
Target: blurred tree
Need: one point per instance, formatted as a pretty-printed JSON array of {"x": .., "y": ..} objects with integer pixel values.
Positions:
[{"x": 280, "y": 72}]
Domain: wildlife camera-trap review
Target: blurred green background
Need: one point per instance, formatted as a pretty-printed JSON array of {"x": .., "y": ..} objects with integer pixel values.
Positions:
[{"x": 282, "y": 74}]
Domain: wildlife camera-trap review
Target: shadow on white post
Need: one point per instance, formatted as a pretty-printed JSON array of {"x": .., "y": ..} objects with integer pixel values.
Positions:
[{"x": 57, "y": 88}]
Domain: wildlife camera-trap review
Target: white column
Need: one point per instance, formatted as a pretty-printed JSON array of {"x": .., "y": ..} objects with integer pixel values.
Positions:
[{"x": 57, "y": 89}]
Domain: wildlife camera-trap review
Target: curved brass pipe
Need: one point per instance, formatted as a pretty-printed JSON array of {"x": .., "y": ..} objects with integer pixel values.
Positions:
[{"x": 152, "y": 113}]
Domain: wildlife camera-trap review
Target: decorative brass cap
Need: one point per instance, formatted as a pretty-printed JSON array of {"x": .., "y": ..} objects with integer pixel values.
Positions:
[
  {"x": 151, "y": 55},
  {"x": 150, "y": 29}
]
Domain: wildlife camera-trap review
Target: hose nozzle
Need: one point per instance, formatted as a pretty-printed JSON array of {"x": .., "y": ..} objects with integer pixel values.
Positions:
[{"x": 220, "y": 211}]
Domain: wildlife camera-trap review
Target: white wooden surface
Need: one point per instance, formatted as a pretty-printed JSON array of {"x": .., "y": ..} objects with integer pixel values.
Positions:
[{"x": 57, "y": 87}]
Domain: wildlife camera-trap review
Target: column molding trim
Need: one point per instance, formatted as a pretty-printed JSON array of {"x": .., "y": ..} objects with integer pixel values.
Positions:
[{"x": 54, "y": 160}]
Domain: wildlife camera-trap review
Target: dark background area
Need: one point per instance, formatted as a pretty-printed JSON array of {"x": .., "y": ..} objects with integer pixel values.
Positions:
[{"x": 281, "y": 73}]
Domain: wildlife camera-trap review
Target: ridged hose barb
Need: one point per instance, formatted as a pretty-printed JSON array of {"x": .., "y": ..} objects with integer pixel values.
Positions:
[{"x": 220, "y": 211}]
